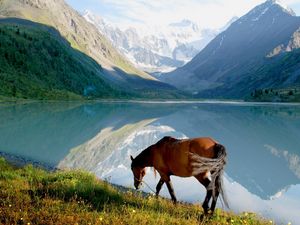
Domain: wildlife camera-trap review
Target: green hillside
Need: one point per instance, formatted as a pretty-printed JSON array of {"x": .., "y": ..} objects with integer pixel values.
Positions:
[
  {"x": 34, "y": 196},
  {"x": 277, "y": 79},
  {"x": 82, "y": 35},
  {"x": 270, "y": 79},
  {"x": 37, "y": 63}
]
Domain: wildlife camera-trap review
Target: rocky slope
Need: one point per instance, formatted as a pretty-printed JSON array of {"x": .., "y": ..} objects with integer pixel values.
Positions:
[{"x": 84, "y": 37}]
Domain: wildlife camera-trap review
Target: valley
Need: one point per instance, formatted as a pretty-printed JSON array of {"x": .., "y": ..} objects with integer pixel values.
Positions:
[{"x": 180, "y": 60}]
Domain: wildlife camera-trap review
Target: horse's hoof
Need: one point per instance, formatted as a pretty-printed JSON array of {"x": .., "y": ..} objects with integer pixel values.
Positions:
[
  {"x": 206, "y": 210},
  {"x": 204, "y": 217}
]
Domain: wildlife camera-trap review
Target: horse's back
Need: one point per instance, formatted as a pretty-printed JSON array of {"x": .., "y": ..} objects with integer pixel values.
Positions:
[
  {"x": 174, "y": 154},
  {"x": 203, "y": 146}
]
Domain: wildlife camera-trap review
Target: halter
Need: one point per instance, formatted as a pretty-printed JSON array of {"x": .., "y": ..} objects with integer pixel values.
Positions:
[{"x": 141, "y": 181}]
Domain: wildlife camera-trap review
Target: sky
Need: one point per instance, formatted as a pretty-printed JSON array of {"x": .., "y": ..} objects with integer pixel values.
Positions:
[{"x": 206, "y": 13}]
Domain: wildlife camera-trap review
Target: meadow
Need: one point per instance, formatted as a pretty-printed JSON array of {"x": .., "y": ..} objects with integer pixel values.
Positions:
[{"x": 30, "y": 195}]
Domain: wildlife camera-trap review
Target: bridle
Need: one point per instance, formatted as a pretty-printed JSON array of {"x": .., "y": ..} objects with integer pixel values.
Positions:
[{"x": 141, "y": 181}]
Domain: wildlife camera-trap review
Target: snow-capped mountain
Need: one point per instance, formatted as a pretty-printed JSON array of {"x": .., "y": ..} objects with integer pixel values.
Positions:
[
  {"x": 156, "y": 49},
  {"x": 231, "y": 65}
]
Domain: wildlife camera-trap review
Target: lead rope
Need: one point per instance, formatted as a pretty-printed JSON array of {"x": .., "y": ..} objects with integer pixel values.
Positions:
[{"x": 154, "y": 192}]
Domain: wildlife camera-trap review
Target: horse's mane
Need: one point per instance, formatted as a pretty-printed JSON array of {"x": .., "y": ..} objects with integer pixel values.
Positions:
[
  {"x": 143, "y": 159},
  {"x": 166, "y": 139}
]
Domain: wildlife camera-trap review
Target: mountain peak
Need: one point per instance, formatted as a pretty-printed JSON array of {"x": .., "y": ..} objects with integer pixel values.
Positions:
[
  {"x": 182, "y": 23},
  {"x": 270, "y": 9},
  {"x": 245, "y": 43},
  {"x": 185, "y": 24},
  {"x": 282, "y": 5}
]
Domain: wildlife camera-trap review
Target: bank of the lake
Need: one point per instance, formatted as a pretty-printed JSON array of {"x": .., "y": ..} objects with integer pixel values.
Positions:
[{"x": 29, "y": 195}]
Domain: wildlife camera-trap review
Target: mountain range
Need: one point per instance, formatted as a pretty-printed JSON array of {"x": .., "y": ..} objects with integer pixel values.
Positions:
[
  {"x": 117, "y": 71},
  {"x": 254, "y": 57},
  {"x": 157, "y": 49},
  {"x": 253, "y": 53}
]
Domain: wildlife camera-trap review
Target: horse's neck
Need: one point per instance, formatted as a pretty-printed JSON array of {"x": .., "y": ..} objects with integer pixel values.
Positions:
[{"x": 145, "y": 159}]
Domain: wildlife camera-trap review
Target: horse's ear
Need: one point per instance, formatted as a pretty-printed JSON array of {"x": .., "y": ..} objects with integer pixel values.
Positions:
[{"x": 131, "y": 157}]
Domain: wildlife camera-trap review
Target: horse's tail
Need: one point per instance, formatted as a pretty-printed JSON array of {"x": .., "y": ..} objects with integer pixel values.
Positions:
[
  {"x": 215, "y": 166},
  {"x": 222, "y": 155}
]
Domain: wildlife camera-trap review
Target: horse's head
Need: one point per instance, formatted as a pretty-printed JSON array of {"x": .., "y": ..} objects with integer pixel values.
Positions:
[{"x": 138, "y": 173}]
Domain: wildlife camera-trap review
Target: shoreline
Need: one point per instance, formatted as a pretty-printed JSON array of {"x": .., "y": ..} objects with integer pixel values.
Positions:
[{"x": 156, "y": 101}]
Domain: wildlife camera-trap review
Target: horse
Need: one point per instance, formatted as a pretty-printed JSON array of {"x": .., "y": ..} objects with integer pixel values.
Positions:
[{"x": 201, "y": 157}]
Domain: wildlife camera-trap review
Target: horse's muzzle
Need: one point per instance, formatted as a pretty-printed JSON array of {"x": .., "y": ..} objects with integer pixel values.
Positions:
[{"x": 137, "y": 185}]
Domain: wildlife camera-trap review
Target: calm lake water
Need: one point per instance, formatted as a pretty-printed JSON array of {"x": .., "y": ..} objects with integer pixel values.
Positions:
[{"x": 262, "y": 141}]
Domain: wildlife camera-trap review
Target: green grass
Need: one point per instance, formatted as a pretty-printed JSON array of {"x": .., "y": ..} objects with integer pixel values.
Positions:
[{"x": 30, "y": 195}]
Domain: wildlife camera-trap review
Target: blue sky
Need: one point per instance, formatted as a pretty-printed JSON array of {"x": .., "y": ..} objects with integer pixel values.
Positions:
[{"x": 208, "y": 13}]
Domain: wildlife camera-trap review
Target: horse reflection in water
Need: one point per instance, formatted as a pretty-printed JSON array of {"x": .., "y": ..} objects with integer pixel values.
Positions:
[{"x": 202, "y": 158}]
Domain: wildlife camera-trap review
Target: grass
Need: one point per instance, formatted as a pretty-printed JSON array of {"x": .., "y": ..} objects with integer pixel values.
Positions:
[{"x": 30, "y": 195}]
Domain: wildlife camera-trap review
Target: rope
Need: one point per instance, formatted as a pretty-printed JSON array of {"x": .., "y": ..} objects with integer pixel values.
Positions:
[{"x": 146, "y": 185}]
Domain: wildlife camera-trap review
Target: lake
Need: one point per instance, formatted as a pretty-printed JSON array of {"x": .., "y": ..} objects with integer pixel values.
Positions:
[{"x": 262, "y": 141}]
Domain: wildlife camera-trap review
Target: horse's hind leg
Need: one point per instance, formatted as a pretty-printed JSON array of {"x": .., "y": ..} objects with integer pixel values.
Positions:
[
  {"x": 205, "y": 203},
  {"x": 203, "y": 179},
  {"x": 158, "y": 186},
  {"x": 216, "y": 194}
]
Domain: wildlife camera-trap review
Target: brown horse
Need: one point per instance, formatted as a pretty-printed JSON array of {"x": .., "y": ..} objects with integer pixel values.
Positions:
[{"x": 202, "y": 158}]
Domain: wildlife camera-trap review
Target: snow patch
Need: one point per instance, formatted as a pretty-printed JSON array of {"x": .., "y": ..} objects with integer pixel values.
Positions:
[
  {"x": 282, "y": 5},
  {"x": 262, "y": 13}
]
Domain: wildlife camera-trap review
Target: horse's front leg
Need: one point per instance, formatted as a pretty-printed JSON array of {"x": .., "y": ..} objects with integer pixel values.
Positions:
[
  {"x": 159, "y": 185},
  {"x": 171, "y": 191}
]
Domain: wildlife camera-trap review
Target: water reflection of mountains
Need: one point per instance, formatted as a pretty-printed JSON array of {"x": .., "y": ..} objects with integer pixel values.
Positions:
[
  {"x": 47, "y": 131},
  {"x": 261, "y": 140}
]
